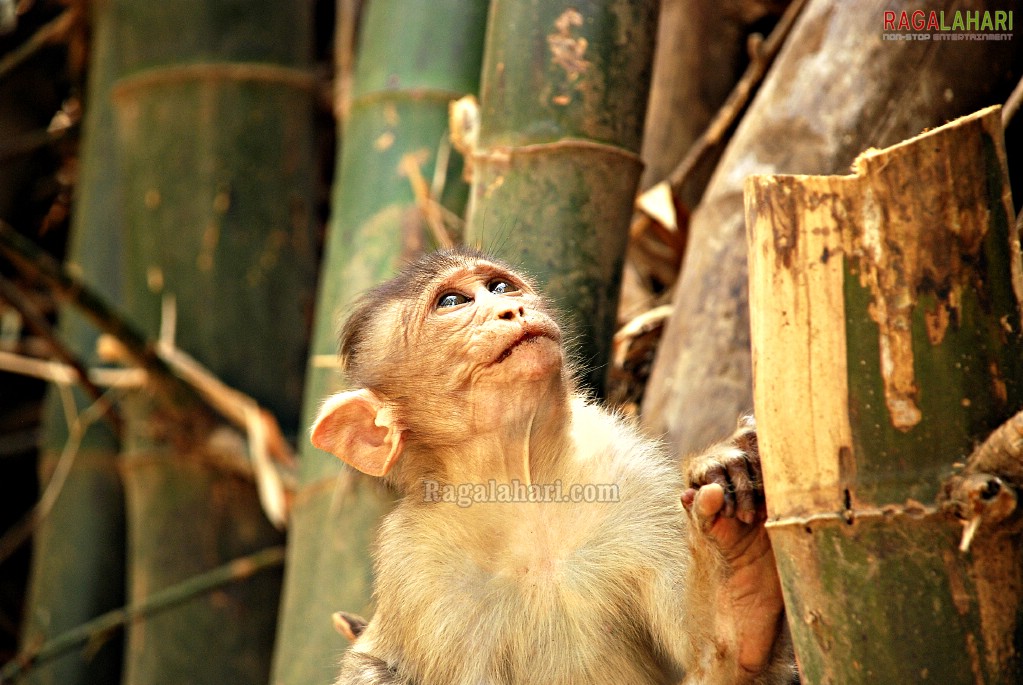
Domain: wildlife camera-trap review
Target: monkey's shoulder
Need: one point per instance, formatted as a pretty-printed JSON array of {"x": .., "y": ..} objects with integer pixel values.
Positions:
[{"x": 609, "y": 447}]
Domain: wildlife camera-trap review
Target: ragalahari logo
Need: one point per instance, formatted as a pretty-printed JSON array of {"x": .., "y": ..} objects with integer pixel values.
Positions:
[{"x": 941, "y": 25}]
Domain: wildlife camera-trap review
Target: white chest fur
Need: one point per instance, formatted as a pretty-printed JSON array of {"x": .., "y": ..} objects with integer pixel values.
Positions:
[
  {"x": 556, "y": 587},
  {"x": 555, "y": 583}
]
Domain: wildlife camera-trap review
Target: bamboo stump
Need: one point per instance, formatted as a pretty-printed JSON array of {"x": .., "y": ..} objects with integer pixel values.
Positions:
[{"x": 887, "y": 342}]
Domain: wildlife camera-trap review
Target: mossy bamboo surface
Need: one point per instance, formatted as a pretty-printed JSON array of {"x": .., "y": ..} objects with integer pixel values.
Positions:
[{"x": 214, "y": 139}]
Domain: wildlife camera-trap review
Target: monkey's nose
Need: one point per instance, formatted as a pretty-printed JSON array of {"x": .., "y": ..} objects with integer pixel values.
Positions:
[{"x": 512, "y": 312}]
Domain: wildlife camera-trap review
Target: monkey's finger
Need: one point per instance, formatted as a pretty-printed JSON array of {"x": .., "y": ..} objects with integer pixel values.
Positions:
[
  {"x": 716, "y": 474},
  {"x": 745, "y": 491}
]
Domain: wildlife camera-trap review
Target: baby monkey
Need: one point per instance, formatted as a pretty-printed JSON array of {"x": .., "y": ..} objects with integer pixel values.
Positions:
[{"x": 540, "y": 539}]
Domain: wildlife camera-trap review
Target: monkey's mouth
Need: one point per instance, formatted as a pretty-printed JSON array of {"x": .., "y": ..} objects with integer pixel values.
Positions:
[{"x": 527, "y": 337}]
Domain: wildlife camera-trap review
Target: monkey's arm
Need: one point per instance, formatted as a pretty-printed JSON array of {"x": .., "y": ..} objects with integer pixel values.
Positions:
[{"x": 725, "y": 501}]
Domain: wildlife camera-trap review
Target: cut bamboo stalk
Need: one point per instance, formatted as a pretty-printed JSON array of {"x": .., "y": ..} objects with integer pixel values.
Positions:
[
  {"x": 886, "y": 343},
  {"x": 837, "y": 87}
]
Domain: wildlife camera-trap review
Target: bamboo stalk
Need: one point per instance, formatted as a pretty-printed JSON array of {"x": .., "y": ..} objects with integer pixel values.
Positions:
[
  {"x": 861, "y": 91},
  {"x": 887, "y": 342},
  {"x": 383, "y": 212}
]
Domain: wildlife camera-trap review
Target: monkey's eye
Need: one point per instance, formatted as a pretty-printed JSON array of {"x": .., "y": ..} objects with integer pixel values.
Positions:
[
  {"x": 501, "y": 287},
  {"x": 451, "y": 300}
]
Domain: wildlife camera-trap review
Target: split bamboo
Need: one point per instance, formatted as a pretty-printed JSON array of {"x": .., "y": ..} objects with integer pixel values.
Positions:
[{"x": 837, "y": 87}]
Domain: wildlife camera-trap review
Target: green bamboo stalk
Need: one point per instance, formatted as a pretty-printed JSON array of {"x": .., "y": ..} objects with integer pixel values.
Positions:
[
  {"x": 78, "y": 550},
  {"x": 563, "y": 97},
  {"x": 214, "y": 114},
  {"x": 888, "y": 341},
  {"x": 414, "y": 58}
]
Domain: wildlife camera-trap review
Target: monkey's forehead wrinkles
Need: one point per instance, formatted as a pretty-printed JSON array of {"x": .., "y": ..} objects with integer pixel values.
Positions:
[
  {"x": 482, "y": 269},
  {"x": 474, "y": 267}
]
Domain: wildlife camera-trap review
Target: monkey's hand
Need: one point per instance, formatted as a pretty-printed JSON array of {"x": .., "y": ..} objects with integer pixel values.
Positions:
[
  {"x": 725, "y": 497},
  {"x": 725, "y": 494}
]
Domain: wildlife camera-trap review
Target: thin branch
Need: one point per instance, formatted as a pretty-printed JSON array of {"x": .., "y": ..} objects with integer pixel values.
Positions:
[
  {"x": 100, "y": 627},
  {"x": 27, "y": 142},
  {"x": 178, "y": 374},
  {"x": 20, "y": 532},
  {"x": 1012, "y": 104},
  {"x": 37, "y": 322},
  {"x": 49, "y": 33},
  {"x": 409, "y": 166},
  {"x": 738, "y": 99},
  {"x": 261, "y": 427},
  {"x": 61, "y": 374}
]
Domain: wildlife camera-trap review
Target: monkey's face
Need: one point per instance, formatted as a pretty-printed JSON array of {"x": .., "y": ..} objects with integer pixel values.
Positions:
[
  {"x": 455, "y": 344},
  {"x": 454, "y": 347},
  {"x": 485, "y": 325}
]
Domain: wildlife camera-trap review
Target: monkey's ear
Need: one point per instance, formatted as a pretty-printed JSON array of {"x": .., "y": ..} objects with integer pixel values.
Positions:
[{"x": 358, "y": 428}]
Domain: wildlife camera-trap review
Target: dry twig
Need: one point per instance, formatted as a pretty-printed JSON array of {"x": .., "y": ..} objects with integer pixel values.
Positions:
[
  {"x": 1012, "y": 104},
  {"x": 38, "y": 323},
  {"x": 429, "y": 207},
  {"x": 20, "y": 532},
  {"x": 172, "y": 371},
  {"x": 738, "y": 99},
  {"x": 49, "y": 33}
]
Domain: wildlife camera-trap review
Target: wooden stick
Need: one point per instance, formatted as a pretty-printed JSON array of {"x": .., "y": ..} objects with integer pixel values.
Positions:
[
  {"x": 427, "y": 206},
  {"x": 1012, "y": 104},
  {"x": 22, "y": 531},
  {"x": 48, "y": 33},
  {"x": 61, "y": 374}
]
